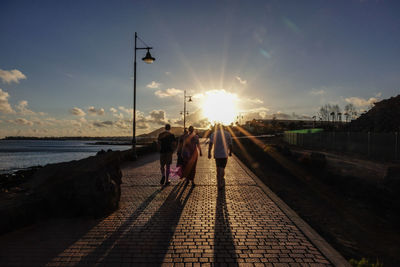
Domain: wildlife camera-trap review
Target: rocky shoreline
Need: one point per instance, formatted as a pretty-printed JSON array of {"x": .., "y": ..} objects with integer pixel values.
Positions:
[{"x": 89, "y": 187}]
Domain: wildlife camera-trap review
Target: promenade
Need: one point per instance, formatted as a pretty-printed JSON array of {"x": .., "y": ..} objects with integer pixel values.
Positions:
[{"x": 245, "y": 224}]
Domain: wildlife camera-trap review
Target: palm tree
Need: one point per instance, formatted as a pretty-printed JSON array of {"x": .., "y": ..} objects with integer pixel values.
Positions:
[
  {"x": 339, "y": 115},
  {"x": 333, "y": 116}
]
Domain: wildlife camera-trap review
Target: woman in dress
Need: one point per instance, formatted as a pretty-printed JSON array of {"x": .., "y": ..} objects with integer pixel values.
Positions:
[{"x": 190, "y": 152}]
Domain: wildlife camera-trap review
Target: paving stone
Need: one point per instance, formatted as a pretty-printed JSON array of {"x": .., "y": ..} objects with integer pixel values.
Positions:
[{"x": 176, "y": 225}]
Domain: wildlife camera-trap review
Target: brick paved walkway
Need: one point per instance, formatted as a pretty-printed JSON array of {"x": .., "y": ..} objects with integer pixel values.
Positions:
[{"x": 178, "y": 224}]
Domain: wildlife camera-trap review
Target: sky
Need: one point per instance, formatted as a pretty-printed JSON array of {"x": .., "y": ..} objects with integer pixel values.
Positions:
[{"x": 66, "y": 67}]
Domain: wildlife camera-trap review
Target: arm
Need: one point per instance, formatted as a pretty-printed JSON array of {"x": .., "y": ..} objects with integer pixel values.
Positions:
[
  {"x": 230, "y": 147},
  {"x": 209, "y": 150},
  {"x": 158, "y": 143},
  {"x": 199, "y": 148}
]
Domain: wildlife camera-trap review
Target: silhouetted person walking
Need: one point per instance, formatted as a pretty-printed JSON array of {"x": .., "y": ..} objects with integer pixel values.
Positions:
[
  {"x": 222, "y": 142},
  {"x": 167, "y": 143},
  {"x": 180, "y": 147},
  {"x": 190, "y": 152}
]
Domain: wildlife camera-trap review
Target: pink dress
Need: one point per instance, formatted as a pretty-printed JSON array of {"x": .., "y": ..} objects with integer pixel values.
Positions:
[{"x": 190, "y": 155}]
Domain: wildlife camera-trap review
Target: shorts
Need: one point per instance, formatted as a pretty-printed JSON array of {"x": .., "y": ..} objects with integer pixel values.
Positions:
[
  {"x": 165, "y": 158},
  {"x": 221, "y": 162}
]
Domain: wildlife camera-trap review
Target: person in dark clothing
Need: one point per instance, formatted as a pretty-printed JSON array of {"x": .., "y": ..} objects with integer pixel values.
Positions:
[{"x": 167, "y": 143}]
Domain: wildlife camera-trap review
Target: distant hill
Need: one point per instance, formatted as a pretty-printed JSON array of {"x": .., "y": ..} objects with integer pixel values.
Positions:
[
  {"x": 383, "y": 117},
  {"x": 177, "y": 131}
]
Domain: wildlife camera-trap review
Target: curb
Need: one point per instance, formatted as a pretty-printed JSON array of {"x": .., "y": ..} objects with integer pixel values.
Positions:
[{"x": 327, "y": 250}]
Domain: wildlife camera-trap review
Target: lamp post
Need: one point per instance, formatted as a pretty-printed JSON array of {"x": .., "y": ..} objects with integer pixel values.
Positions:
[
  {"x": 184, "y": 107},
  {"x": 148, "y": 59}
]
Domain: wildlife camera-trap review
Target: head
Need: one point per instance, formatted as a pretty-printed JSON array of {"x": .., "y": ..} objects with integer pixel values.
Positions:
[
  {"x": 191, "y": 129},
  {"x": 185, "y": 131},
  {"x": 217, "y": 126},
  {"x": 167, "y": 127}
]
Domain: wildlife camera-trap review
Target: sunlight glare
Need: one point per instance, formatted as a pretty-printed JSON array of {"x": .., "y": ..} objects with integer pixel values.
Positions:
[{"x": 219, "y": 106}]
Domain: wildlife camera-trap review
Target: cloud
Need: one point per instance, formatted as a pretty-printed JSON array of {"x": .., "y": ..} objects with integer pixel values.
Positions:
[
  {"x": 93, "y": 111},
  {"x": 5, "y": 107},
  {"x": 196, "y": 118},
  {"x": 21, "y": 121},
  {"x": 203, "y": 123},
  {"x": 126, "y": 110},
  {"x": 255, "y": 113},
  {"x": 122, "y": 124},
  {"x": 77, "y": 111},
  {"x": 103, "y": 123},
  {"x": 168, "y": 93},
  {"x": 241, "y": 80},
  {"x": 254, "y": 101},
  {"x": 113, "y": 110},
  {"x": 317, "y": 92},
  {"x": 153, "y": 85},
  {"x": 9, "y": 76},
  {"x": 362, "y": 102},
  {"x": 158, "y": 117},
  {"x": 118, "y": 115},
  {"x": 22, "y": 108},
  {"x": 142, "y": 125}
]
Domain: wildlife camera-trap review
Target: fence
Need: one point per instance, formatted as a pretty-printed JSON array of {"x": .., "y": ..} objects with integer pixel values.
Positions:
[{"x": 374, "y": 145}]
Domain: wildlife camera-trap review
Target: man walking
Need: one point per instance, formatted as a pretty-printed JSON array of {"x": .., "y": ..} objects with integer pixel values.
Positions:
[
  {"x": 167, "y": 143},
  {"x": 222, "y": 142}
]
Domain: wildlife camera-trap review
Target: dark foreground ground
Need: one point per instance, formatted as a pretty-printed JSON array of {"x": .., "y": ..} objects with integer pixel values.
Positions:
[
  {"x": 176, "y": 225},
  {"x": 359, "y": 217}
]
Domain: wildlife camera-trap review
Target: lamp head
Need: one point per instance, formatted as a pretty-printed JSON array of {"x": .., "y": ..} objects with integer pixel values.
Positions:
[
  {"x": 148, "y": 58},
  {"x": 190, "y": 99}
]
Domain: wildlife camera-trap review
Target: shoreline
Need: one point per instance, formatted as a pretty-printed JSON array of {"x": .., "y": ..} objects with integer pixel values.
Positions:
[{"x": 19, "y": 155}]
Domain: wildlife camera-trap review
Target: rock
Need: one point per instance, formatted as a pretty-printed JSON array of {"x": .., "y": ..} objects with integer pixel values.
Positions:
[
  {"x": 88, "y": 187},
  {"x": 101, "y": 152}
]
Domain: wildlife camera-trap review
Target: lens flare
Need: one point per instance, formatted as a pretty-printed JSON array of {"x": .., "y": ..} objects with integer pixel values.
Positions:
[{"x": 219, "y": 106}]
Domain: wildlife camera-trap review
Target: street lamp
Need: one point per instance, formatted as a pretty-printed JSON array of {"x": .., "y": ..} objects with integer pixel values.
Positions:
[
  {"x": 189, "y": 97},
  {"x": 148, "y": 59}
]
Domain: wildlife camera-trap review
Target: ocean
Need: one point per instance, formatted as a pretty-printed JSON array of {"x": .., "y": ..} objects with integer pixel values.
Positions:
[{"x": 20, "y": 154}]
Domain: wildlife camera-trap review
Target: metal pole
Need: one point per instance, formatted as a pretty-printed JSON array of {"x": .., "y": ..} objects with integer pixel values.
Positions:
[
  {"x": 396, "y": 144},
  {"x": 134, "y": 104},
  {"x": 184, "y": 110}
]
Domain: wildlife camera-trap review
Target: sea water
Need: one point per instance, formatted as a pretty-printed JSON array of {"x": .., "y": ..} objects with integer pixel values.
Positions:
[{"x": 20, "y": 154}]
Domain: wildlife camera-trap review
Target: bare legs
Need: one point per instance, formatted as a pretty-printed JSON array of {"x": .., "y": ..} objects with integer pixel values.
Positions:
[{"x": 165, "y": 171}]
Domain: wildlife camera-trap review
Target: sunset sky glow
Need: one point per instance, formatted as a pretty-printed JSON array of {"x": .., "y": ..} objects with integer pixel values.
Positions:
[{"x": 66, "y": 67}]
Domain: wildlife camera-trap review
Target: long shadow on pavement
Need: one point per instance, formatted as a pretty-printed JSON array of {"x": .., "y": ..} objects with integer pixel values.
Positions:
[
  {"x": 102, "y": 250},
  {"x": 224, "y": 247},
  {"x": 148, "y": 244}
]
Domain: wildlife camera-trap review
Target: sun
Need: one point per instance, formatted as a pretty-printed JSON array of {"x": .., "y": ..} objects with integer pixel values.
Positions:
[{"x": 219, "y": 106}]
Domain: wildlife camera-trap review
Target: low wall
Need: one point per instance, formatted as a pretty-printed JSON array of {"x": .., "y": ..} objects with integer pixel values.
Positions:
[{"x": 87, "y": 187}]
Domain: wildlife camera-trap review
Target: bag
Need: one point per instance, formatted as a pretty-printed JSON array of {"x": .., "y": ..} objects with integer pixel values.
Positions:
[{"x": 175, "y": 173}]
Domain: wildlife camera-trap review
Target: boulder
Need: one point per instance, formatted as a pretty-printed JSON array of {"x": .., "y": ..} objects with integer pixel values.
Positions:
[{"x": 87, "y": 187}]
